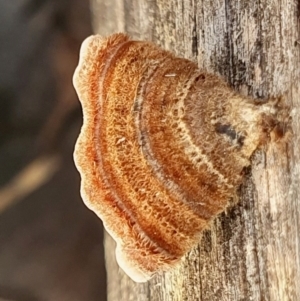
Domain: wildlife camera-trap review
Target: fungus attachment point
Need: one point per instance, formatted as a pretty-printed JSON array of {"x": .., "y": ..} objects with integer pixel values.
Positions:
[{"x": 161, "y": 150}]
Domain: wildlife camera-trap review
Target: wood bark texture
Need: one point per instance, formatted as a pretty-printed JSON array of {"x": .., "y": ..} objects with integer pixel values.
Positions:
[{"x": 252, "y": 251}]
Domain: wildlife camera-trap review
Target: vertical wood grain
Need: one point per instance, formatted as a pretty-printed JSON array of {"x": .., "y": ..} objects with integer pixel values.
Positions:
[{"x": 252, "y": 251}]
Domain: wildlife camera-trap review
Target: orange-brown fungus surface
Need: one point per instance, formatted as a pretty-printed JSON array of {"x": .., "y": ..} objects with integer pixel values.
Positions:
[{"x": 162, "y": 148}]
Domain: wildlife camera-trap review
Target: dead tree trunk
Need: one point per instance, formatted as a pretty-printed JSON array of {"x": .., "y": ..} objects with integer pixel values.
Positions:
[{"x": 251, "y": 252}]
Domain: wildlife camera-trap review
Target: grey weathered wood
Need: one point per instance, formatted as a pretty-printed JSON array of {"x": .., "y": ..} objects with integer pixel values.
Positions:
[{"x": 252, "y": 251}]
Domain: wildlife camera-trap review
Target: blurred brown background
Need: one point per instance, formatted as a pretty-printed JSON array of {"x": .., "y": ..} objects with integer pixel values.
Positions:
[{"x": 50, "y": 243}]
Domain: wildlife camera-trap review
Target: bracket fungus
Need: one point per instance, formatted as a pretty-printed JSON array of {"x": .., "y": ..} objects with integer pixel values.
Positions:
[{"x": 162, "y": 148}]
